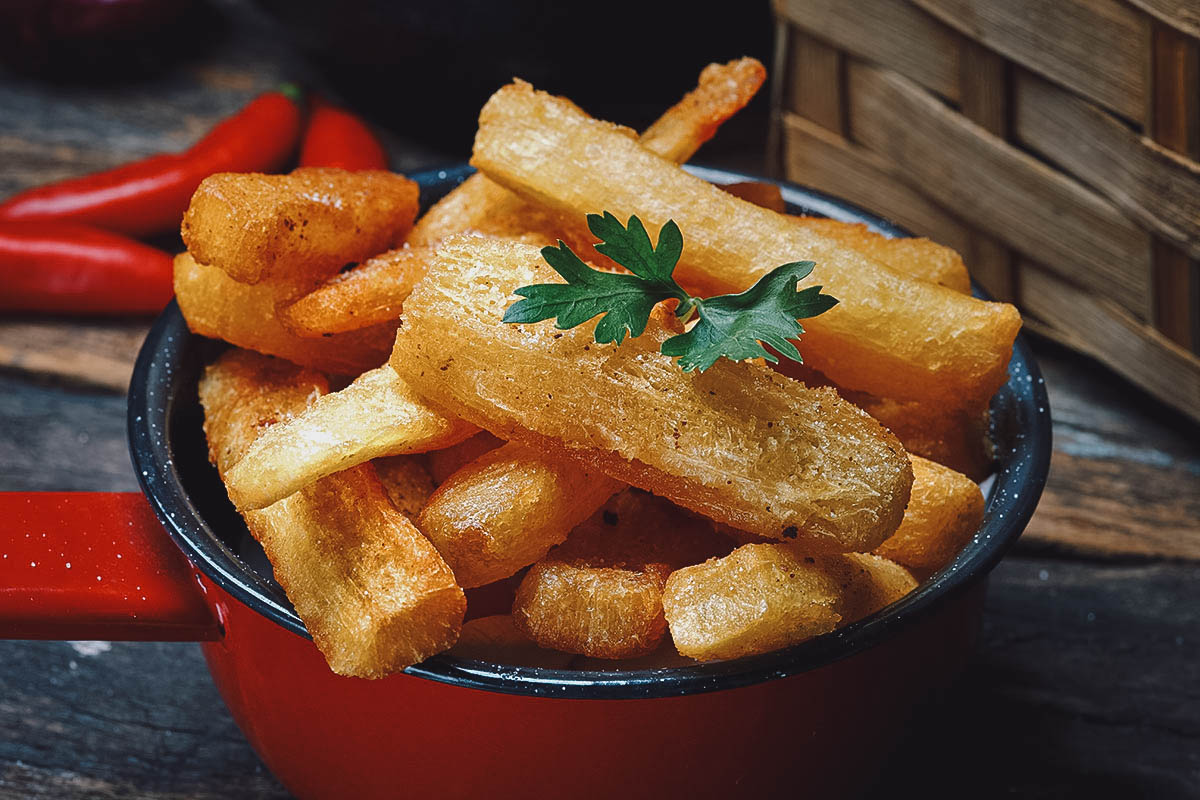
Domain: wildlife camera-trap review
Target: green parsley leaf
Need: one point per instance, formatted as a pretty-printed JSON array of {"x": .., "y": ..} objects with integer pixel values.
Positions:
[
  {"x": 734, "y": 326},
  {"x": 737, "y": 326}
]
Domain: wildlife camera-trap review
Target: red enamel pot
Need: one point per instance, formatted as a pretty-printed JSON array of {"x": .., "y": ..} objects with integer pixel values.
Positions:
[{"x": 176, "y": 563}]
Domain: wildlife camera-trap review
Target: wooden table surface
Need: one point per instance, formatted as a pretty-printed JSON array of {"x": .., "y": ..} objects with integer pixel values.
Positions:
[{"x": 1086, "y": 681}]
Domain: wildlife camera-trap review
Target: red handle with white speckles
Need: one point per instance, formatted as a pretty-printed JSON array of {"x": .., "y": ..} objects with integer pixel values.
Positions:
[{"x": 95, "y": 565}]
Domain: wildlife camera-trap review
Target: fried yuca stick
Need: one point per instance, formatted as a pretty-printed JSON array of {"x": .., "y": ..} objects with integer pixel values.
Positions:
[
  {"x": 217, "y": 306},
  {"x": 376, "y": 415},
  {"x": 943, "y": 514},
  {"x": 599, "y": 594},
  {"x": 371, "y": 590},
  {"x": 506, "y": 508},
  {"x": 407, "y": 481},
  {"x": 446, "y": 462},
  {"x": 918, "y": 257},
  {"x": 956, "y": 438},
  {"x": 889, "y": 335},
  {"x": 302, "y": 227},
  {"x": 762, "y": 597},
  {"x": 738, "y": 443},
  {"x": 481, "y": 205},
  {"x": 371, "y": 293},
  {"x": 496, "y": 640}
]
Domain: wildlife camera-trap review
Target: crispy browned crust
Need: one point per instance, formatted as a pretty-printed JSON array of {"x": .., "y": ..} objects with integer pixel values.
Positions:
[
  {"x": 943, "y": 514},
  {"x": 505, "y": 509},
  {"x": 372, "y": 591},
  {"x": 217, "y": 306},
  {"x": 301, "y": 227},
  {"x": 737, "y": 443}
]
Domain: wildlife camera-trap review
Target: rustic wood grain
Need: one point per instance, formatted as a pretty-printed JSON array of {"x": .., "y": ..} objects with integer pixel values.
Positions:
[
  {"x": 1157, "y": 187},
  {"x": 1181, "y": 15},
  {"x": 985, "y": 85},
  {"x": 1104, "y": 330},
  {"x": 815, "y": 81},
  {"x": 1000, "y": 189},
  {"x": 1083, "y": 687},
  {"x": 885, "y": 31},
  {"x": 815, "y": 157},
  {"x": 1096, "y": 47},
  {"x": 94, "y": 352},
  {"x": 1175, "y": 123}
]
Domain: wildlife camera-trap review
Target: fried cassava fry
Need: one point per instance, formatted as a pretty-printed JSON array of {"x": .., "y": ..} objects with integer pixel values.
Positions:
[
  {"x": 506, "y": 508},
  {"x": 300, "y": 228},
  {"x": 377, "y": 415},
  {"x": 738, "y": 442},
  {"x": 372, "y": 591},
  {"x": 889, "y": 335}
]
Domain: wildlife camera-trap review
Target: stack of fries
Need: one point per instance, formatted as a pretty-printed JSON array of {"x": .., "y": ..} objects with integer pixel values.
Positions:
[{"x": 641, "y": 513}]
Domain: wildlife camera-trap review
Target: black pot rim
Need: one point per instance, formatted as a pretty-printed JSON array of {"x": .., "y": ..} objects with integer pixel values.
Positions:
[{"x": 1022, "y": 404}]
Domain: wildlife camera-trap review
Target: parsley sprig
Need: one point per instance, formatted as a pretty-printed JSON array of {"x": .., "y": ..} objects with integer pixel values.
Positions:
[{"x": 734, "y": 326}]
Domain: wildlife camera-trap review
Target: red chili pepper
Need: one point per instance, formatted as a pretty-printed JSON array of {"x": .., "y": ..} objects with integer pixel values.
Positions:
[
  {"x": 337, "y": 138},
  {"x": 150, "y": 196},
  {"x": 64, "y": 267}
]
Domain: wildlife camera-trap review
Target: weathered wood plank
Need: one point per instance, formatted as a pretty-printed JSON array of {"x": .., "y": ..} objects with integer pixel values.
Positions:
[
  {"x": 1147, "y": 181},
  {"x": 1103, "y": 330},
  {"x": 1175, "y": 123},
  {"x": 985, "y": 101},
  {"x": 815, "y": 81},
  {"x": 96, "y": 720},
  {"x": 1096, "y": 47},
  {"x": 93, "y": 352},
  {"x": 815, "y": 157},
  {"x": 1083, "y": 686},
  {"x": 888, "y": 32},
  {"x": 1182, "y": 15},
  {"x": 996, "y": 187}
]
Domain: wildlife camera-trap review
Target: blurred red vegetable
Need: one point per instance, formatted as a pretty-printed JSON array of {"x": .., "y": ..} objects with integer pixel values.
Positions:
[
  {"x": 337, "y": 138},
  {"x": 150, "y": 196},
  {"x": 69, "y": 268}
]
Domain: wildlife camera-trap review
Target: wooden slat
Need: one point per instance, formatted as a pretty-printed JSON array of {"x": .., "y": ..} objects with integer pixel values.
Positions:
[
  {"x": 889, "y": 32},
  {"x": 1096, "y": 47},
  {"x": 984, "y": 83},
  {"x": 92, "y": 352},
  {"x": 1157, "y": 187},
  {"x": 996, "y": 187},
  {"x": 1182, "y": 15},
  {"x": 815, "y": 157},
  {"x": 1176, "y": 295},
  {"x": 1175, "y": 123},
  {"x": 1105, "y": 331},
  {"x": 815, "y": 81}
]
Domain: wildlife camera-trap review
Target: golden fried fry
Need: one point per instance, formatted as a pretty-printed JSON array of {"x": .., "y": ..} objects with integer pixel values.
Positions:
[
  {"x": 737, "y": 443},
  {"x": 599, "y": 593},
  {"x": 370, "y": 294},
  {"x": 917, "y": 257},
  {"x": 505, "y": 509},
  {"x": 446, "y": 462},
  {"x": 371, "y": 590},
  {"x": 943, "y": 514},
  {"x": 890, "y": 335},
  {"x": 481, "y": 205},
  {"x": 376, "y": 415},
  {"x": 300, "y": 228},
  {"x": 407, "y": 481},
  {"x": 724, "y": 89},
  {"x": 496, "y": 640},
  {"x": 217, "y": 306},
  {"x": 867, "y": 583},
  {"x": 759, "y": 598},
  {"x": 955, "y": 438}
]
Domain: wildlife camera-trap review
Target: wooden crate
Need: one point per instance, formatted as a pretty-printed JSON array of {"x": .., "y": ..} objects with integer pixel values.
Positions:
[{"x": 1054, "y": 144}]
